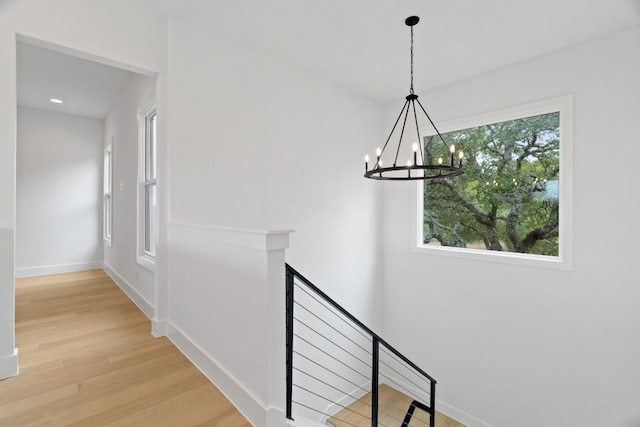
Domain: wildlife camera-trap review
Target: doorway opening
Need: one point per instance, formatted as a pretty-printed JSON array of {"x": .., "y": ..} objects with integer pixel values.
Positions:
[{"x": 71, "y": 107}]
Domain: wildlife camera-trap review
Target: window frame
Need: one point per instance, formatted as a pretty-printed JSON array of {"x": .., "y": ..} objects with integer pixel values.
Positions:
[
  {"x": 107, "y": 194},
  {"x": 147, "y": 178},
  {"x": 564, "y": 260}
]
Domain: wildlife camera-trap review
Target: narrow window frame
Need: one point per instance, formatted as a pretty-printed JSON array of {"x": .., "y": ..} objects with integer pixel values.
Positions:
[
  {"x": 107, "y": 195},
  {"x": 564, "y": 260},
  {"x": 147, "y": 224}
]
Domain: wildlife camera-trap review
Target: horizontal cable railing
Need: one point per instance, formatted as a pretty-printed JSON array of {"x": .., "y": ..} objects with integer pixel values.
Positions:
[{"x": 340, "y": 372}]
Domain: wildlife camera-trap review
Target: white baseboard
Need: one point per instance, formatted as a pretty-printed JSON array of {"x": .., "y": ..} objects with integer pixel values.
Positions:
[
  {"x": 276, "y": 417},
  {"x": 57, "y": 269},
  {"x": 442, "y": 407},
  {"x": 299, "y": 421},
  {"x": 460, "y": 416},
  {"x": 158, "y": 328},
  {"x": 240, "y": 396},
  {"x": 9, "y": 365},
  {"x": 142, "y": 303}
]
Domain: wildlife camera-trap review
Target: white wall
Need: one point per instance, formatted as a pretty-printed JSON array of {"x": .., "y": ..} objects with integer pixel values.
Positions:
[
  {"x": 234, "y": 327},
  {"x": 59, "y": 193},
  {"x": 121, "y": 130},
  {"x": 258, "y": 144},
  {"x": 119, "y": 32},
  {"x": 523, "y": 346}
]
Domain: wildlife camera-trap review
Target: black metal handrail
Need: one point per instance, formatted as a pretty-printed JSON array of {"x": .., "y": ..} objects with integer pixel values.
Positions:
[{"x": 291, "y": 276}]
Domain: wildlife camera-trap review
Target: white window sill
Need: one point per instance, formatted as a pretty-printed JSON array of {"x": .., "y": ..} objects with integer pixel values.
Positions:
[
  {"x": 147, "y": 262},
  {"x": 529, "y": 260}
]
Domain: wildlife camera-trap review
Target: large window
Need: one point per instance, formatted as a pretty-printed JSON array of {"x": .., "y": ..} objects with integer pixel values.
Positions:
[
  {"x": 107, "y": 202},
  {"x": 147, "y": 192},
  {"x": 513, "y": 200}
]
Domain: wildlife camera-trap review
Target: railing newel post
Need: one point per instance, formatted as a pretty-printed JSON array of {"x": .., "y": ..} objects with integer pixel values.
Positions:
[
  {"x": 375, "y": 365},
  {"x": 289, "y": 302},
  {"x": 432, "y": 404}
]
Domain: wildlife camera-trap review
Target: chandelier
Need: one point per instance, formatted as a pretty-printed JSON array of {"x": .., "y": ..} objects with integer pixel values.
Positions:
[{"x": 435, "y": 162}]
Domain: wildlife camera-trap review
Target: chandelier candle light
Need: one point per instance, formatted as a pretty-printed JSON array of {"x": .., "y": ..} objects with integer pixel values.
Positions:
[{"x": 422, "y": 168}]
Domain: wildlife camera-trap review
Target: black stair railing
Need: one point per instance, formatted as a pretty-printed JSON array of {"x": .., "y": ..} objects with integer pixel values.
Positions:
[
  {"x": 333, "y": 360},
  {"x": 412, "y": 407}
]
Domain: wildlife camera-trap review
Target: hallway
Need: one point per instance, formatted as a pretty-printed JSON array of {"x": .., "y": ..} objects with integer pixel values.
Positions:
[{"x": 87, "y": 358}]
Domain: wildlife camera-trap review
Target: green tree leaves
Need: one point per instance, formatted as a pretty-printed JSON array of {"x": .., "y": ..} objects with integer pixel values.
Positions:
[{"x": 507, "y": 199}]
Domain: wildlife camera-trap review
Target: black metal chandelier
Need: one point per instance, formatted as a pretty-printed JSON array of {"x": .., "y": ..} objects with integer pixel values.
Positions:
[{"x": 434, "y": 162}]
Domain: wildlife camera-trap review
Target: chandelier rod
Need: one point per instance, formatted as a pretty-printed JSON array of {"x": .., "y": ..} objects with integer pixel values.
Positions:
[
  {"x": 420, "y": 142},
  {"x": 411, "y": 88},
  {"x": 411, "y": 22},
  {"x": 432, "y": 124},
  {"x": 404, "y": 124},
  {"x": 394, "y": 126}
]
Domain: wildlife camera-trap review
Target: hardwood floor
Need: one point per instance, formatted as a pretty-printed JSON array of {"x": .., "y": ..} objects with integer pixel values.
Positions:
[
  {"x": 393, "y": 406},
  {"x": 87, "y": 358}
]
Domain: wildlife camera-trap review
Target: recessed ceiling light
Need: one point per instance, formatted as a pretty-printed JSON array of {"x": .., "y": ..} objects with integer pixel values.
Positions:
[{"x": 56, "y": 100}]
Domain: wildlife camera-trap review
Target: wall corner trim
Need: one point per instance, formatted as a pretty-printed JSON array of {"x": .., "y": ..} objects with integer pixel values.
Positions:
[
  {"x": 9, "y": 365},
  {"x": 159, "y": 327}
]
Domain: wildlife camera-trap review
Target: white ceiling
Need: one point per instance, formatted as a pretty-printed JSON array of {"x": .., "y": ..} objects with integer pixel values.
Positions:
[
  {"x": 87, "y": 88},
  {"x": 363, "y": 45},
  {"x": 360, "y": 45}
]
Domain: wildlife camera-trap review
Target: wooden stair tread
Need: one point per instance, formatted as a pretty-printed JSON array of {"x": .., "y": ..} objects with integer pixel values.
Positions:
[{"x": 392, "y": 408}]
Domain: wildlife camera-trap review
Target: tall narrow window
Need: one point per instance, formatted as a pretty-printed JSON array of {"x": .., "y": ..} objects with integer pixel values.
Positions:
[
  {"x": 107, "y": 198},
  {"x": 147, "y": 194}
]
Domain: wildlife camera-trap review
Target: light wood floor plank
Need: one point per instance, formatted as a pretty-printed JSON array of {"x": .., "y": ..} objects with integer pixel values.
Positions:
[
  {"x": 393, "y": 406},
  {"x": 87, "y": 358}
]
